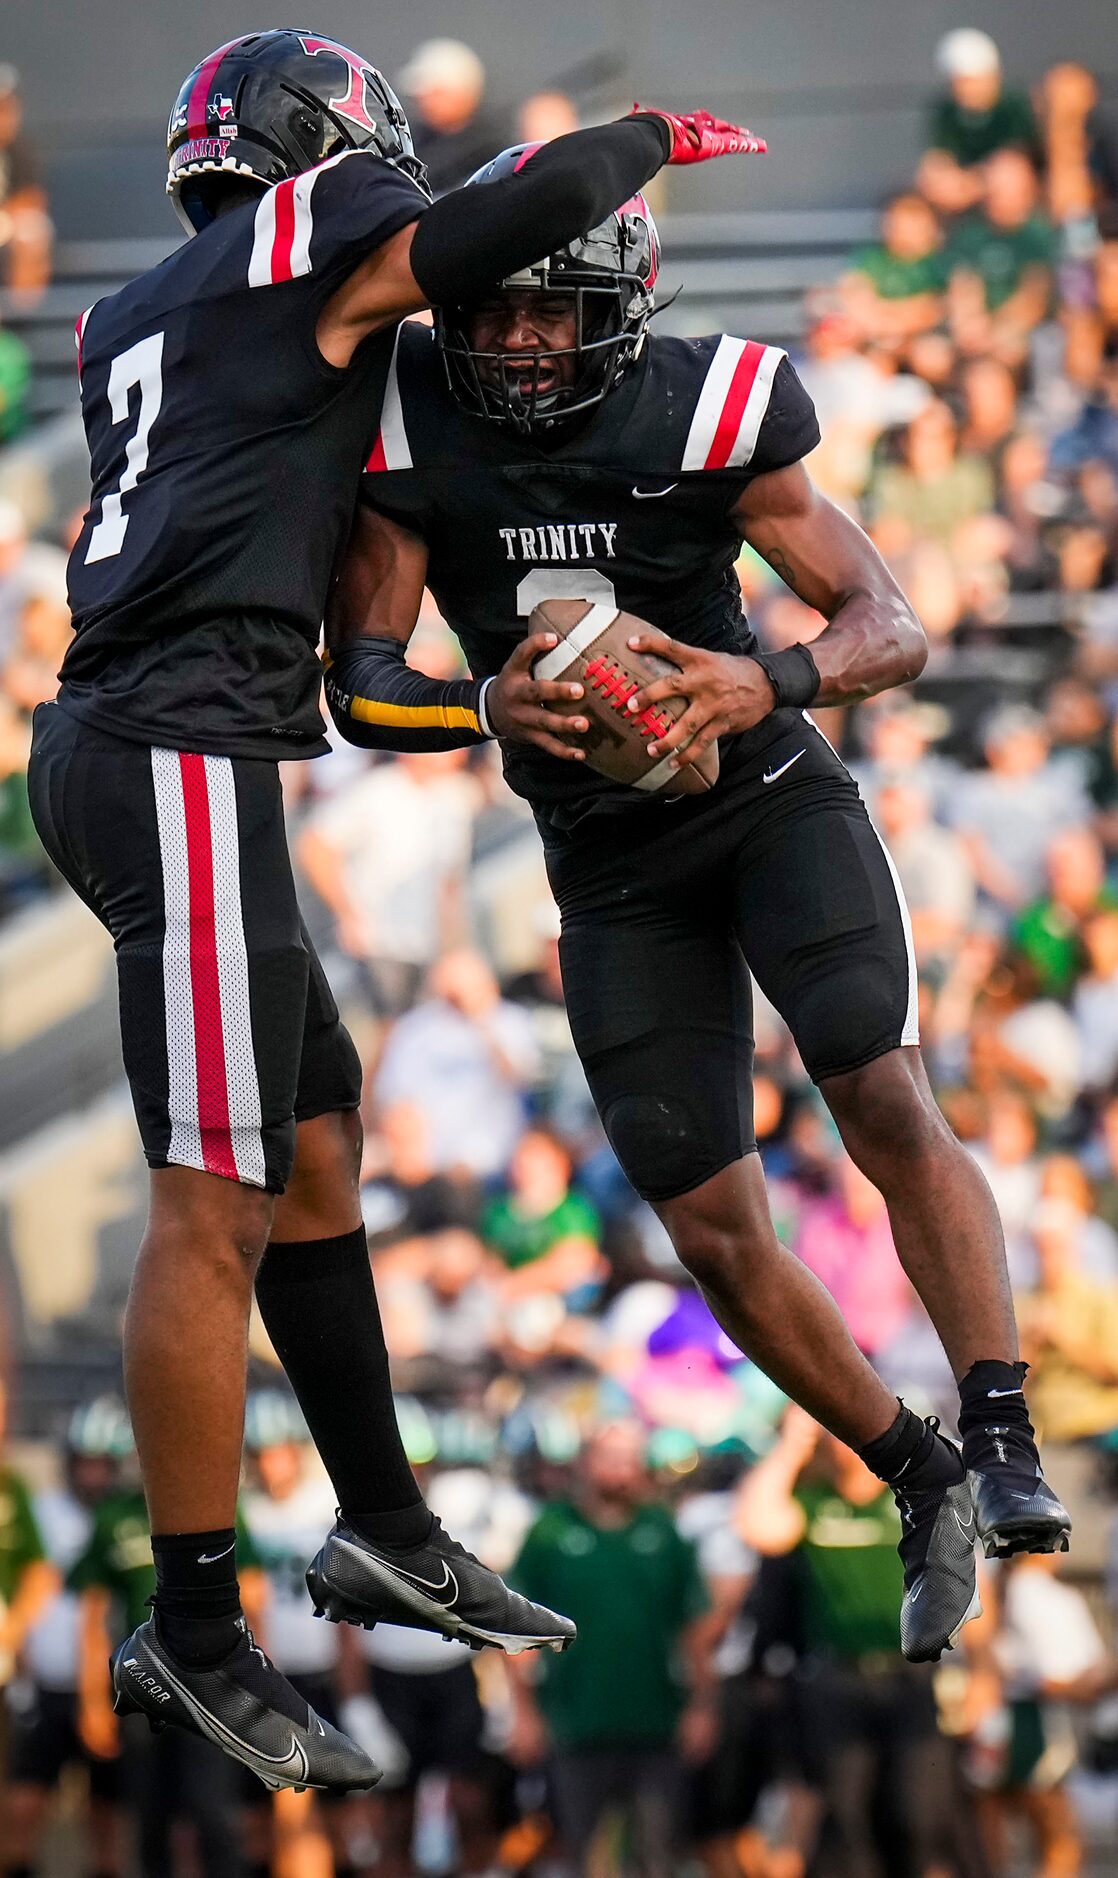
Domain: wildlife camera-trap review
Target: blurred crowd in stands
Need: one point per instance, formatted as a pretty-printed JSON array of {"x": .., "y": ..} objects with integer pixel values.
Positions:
[{"x": 575, "y": 1412}]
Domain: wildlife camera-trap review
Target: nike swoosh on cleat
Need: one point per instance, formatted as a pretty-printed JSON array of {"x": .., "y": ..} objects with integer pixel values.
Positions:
[
  {"x": 773, "y": 775},
  {"x": 649, "y": 495},
  {"x": 291, "y": 1765},
  {"x": 970, "y": 1530},
  {"x": 449, "y": 1581}
]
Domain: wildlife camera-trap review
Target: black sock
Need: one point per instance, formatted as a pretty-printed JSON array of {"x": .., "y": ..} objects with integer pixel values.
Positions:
[
  {"x": 912, "y": 1455},
  {"x": 319, "y": 1308},
  {"x": 197, "y": 1599},
  {"x": 992, "y": 1395}
]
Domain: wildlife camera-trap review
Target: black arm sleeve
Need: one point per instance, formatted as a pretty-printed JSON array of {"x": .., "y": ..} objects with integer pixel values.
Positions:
[
  {"x": 472, "y": 238},
  {"x": 379, "y": 703}
]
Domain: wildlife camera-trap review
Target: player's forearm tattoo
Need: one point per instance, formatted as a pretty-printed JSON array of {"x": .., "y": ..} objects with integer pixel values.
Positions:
[{"x": 782, "y": 565}]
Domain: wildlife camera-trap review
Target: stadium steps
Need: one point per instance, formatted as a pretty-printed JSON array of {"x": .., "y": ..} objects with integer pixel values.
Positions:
[{"x": 745, "y": 272}]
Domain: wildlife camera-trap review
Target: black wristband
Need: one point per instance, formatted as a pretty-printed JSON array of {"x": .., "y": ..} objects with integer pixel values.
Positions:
[{"x": 793, "y": 675}]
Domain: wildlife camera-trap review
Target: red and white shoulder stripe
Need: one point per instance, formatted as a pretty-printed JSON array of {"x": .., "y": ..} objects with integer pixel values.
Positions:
[
  {"x": 79, "y": 333},
  {"x": 732, "y": 404},
  {"x": 283, "y": 227},
  {"x": 391, "y": 450}
]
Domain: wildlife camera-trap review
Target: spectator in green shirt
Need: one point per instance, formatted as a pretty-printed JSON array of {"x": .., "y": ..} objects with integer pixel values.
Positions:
[
  {"x": 27, "y": 1580},
  {"x": 975, "y": 118},
  {"x": 895, "y": 286},
  {"x": 1050, "y": 932},
  {"x": 1001, "y": 260},
  {"x": 15, "y": 378},
  {"x": 619, "y": 1714},
  {"x": 547, "y": 1235},
  {"x": 868, "y": 1718},
  {"x": 936, "y": 487}
]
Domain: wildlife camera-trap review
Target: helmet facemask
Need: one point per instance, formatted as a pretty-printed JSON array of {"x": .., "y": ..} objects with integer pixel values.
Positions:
[
  {"x": 531, "y": 391},
  {"x": 609, "y": 273}
]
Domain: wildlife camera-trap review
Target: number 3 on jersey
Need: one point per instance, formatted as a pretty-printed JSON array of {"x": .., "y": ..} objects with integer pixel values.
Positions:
[{"x": 141, "y": 365}]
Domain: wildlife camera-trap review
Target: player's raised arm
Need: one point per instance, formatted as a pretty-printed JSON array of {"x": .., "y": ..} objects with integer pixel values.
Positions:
[
  {"x": 872, "y": 641},
  {"x": 379, "y": 702},
  {"x": 472, "y": 237}
]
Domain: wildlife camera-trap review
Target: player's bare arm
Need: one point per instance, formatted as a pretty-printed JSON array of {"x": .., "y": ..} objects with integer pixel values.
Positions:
[
  {"x": 470, "y": 237},
  {"x": 372, "y": 614},
  {"x": 872, "y": 641}
]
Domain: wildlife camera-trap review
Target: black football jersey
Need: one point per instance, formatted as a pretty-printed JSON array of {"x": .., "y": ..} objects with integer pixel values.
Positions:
[
  {"x": 226, "y": 460},
  {"x": 632, "y": 510}
]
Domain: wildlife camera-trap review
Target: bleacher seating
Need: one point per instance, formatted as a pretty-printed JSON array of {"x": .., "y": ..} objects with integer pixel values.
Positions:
[{"x": 746, "y": 273}]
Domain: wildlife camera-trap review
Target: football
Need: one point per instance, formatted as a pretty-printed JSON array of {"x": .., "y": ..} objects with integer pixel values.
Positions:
[{"x": 594, "y": 650}]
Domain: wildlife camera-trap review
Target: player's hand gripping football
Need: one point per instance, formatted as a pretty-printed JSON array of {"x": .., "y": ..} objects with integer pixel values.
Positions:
[
  {"x": 516, "y": 703},
  {"x": 697, "y": 136},
  {"x": 724, "y": 691}
]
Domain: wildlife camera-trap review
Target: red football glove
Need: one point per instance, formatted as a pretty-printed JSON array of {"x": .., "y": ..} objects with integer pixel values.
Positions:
[{"x": 698, "y": 137}]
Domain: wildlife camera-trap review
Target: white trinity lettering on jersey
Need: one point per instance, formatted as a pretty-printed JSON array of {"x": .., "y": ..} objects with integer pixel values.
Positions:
[{"x": 561, "y": 541}]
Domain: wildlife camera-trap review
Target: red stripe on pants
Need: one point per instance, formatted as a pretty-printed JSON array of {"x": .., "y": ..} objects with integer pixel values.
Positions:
[
  {"x": 205, "y": 984},
  {"x": 737, "y": 397}
]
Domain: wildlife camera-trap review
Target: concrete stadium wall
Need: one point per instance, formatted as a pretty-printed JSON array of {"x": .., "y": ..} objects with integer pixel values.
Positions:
[{"x": 839, "y": 86}]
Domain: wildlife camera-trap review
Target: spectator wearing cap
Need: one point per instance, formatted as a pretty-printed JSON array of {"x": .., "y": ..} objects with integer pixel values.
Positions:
[
  {"x": 1008, "y": 812},
  {"x": 454, "y": 132},
  {"x": 894, "y": 287},
  {"x": 1001, "y": 259},
  {"x": 974, "y": 118}
]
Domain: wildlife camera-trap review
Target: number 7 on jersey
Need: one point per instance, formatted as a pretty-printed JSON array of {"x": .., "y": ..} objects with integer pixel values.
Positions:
[{"x": 142, "y": 365}]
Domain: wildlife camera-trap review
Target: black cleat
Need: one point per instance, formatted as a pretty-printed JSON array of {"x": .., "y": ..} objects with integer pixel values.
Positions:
[
  {"x": 937, "y": 1551},
  {"x": 245, "y": 1706},
  {"x": 434, "y": 1586},
  {"x": 1015, "y": 1507}
]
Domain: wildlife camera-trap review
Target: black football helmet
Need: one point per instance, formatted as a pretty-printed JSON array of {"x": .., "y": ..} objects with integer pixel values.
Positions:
[
  {"x": 271, "y": 105},
  {"x": 610, "y": 272}
]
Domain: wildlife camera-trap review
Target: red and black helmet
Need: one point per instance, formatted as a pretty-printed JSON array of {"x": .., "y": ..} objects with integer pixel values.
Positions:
[
  {"x": 610, "y": 272},
  {"x": 271, "y": 105}
]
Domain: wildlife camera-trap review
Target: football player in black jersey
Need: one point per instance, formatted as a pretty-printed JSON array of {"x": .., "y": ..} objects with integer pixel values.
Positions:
[
  {"x": 609, "y": 464},
  {"x": 230, "y": 398}
]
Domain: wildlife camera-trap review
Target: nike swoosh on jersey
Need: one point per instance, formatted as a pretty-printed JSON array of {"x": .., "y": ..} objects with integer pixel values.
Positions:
[
  {"x": 650, "y": 495},
  {"x": 774, "y": 775}
]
